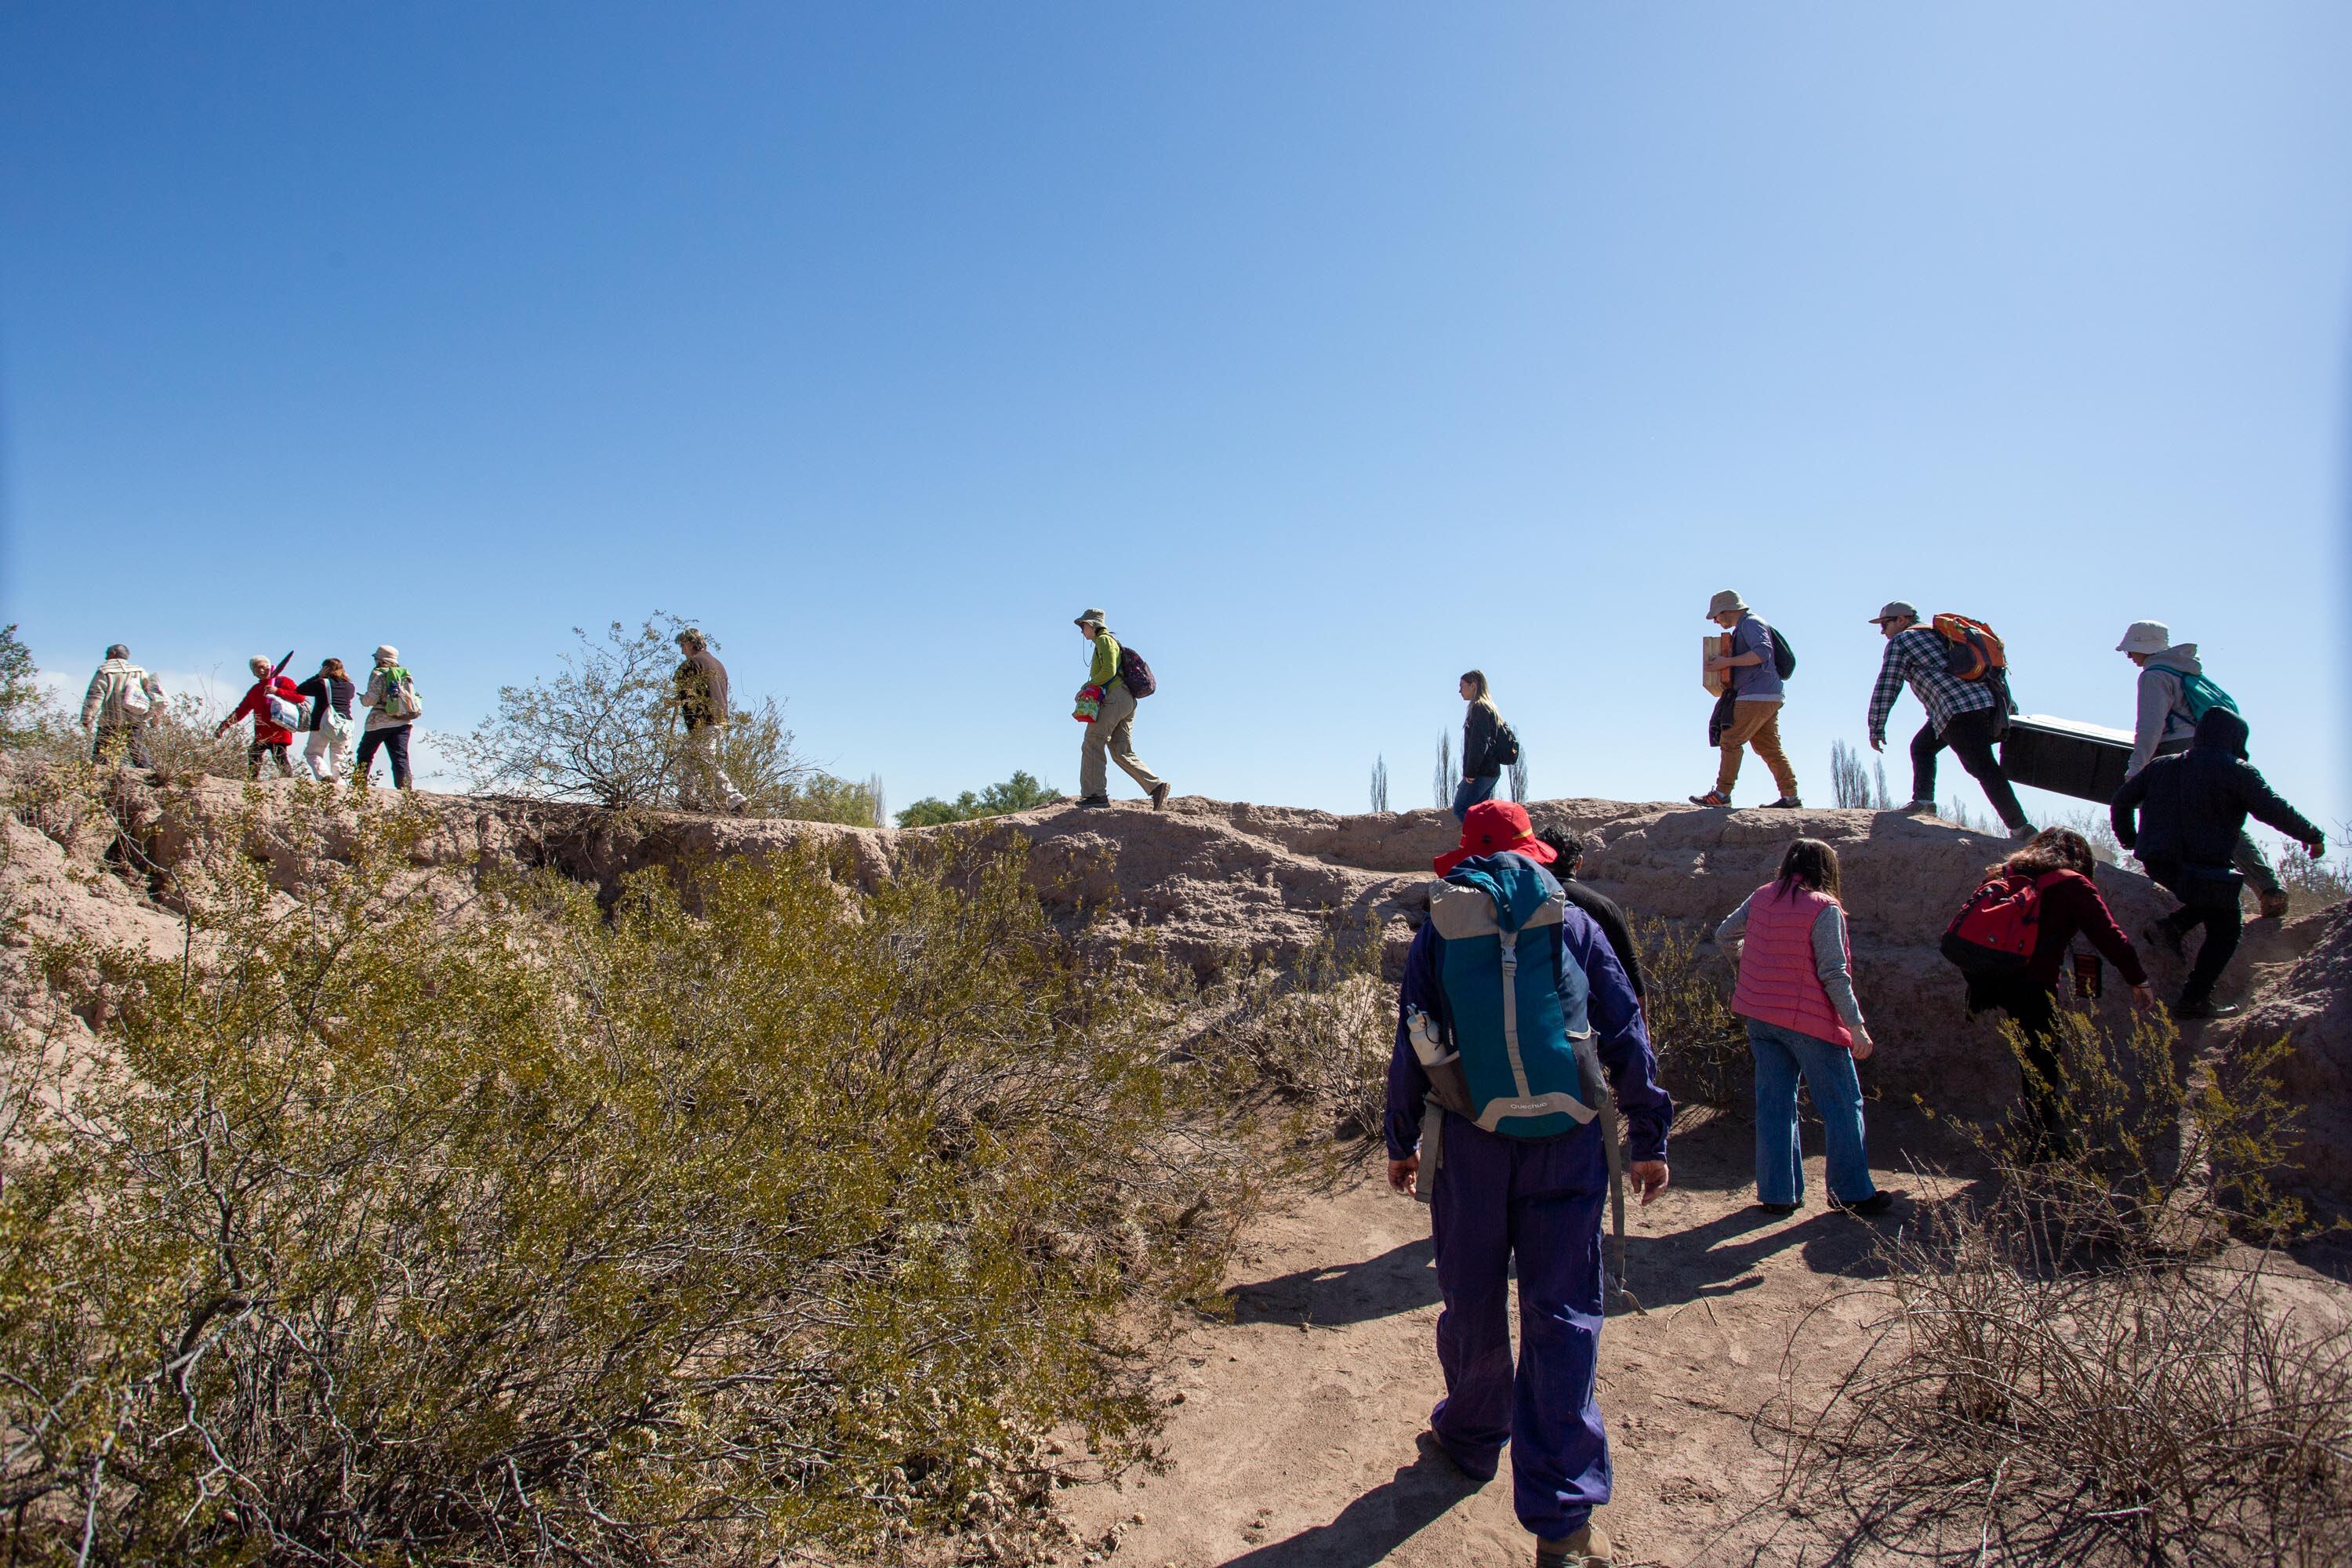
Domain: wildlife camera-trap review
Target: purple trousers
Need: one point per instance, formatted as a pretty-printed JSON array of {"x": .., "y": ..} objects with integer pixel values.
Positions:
[{"x": 1497, "y": 1198}]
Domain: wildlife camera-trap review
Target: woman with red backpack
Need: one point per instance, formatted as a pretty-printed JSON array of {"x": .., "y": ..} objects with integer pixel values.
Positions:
[
  {"x": 2011, "y": 942},
  {"x": 1796, "y": 991}
]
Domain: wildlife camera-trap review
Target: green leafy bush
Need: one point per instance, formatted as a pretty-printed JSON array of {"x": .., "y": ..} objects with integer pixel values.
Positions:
[
  {"x": 384, "y": 1226},
  {"x": 1019, "y": 792}
]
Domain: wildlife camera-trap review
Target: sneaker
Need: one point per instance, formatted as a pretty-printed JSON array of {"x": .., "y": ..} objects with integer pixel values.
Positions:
[
  {"x": 1778, "y": 1208},
  {"x": 1920, "y": 808},
  {"x": 2275, "y": 906},
  {"x": 2190, "y": 1009},
  {"x": 2164, "y": 938},
  {"x": 1877, "y": 1202},
  {"x": 1786, "y": 802},
  {"x": 1712, "y": 797},
  {"x": 1094, "y": 800},
  {"x": 1160, "y": 797},
  {"x": 1588, "y": 1548}
]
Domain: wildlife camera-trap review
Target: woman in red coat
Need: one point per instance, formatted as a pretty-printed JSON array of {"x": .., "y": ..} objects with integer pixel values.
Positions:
[
  {"x": 2059, "y": 860},
  {"x": 268, "y": 736}
]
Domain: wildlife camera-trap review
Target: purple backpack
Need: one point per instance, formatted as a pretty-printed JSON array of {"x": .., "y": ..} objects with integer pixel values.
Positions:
[{"x": 1134, "y": 674}]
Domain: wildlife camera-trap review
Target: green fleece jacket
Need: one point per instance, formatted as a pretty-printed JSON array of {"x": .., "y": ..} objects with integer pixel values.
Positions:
[{"x": 1104, "y": 671}]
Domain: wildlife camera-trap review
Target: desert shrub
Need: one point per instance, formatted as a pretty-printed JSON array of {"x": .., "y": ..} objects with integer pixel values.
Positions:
[
  {"x": 1701, "y": 1046},
  {"x": 2315, "y": 884},
  {"x": 1019, "y": 792},
  {"x": 376, "y": 1230},
  {"x": 606, "y": 730},
  {"x": 26, "y": 710},
  {"x": 1318, "y": 1029},
  {"x": 2075, "y": 1367}
]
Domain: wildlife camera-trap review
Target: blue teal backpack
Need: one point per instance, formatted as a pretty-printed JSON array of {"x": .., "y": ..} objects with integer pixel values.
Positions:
[
  {"x": 2200, "y": 694},
  {"x": 1515, "y": 1025}
]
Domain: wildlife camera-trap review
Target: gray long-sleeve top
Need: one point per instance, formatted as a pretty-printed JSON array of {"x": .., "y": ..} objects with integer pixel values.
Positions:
[{"x": 1829, "y": 958}]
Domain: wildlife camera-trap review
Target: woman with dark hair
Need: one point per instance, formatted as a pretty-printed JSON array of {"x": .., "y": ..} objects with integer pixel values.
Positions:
[
  {"x": 1796, "y": 991},
  {"x": 2059, "y": 862},
  {"x": 1482, "y": 733},
  {"x": 330, "y": 694}
]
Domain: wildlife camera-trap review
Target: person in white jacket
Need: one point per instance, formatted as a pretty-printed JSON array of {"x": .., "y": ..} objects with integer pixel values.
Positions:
[
  {"x": 116, "y": 707},
  {"x": 2165, "y": 723}
]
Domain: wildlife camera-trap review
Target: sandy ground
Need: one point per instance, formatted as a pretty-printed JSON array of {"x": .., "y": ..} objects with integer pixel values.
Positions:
[{"x": 1299, "y": 1436}]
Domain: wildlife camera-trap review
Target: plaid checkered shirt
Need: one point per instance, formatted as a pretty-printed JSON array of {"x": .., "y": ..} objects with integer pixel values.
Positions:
[{"x": 1916, "y": 658}]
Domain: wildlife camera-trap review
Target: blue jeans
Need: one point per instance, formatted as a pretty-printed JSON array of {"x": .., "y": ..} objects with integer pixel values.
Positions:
[
  {"x": 1470, "y": 792},
  {"x": 1780, "y": 1054}
]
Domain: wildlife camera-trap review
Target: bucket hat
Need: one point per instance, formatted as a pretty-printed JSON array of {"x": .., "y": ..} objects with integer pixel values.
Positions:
[
  {"x": 1491, "y": 827},
  {"x": 1724, "y": 603},
  {"x": 1895, "y": 609},
  {"x": 1093, "y": 617},
  {"x": 2146, "y": 637},
  {"x": 387, "y": 654}
]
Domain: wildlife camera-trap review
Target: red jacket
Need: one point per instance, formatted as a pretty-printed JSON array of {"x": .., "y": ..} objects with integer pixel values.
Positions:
[
  {"x": 2071, "y": 904},
  {"x": 257, "y": 704}
]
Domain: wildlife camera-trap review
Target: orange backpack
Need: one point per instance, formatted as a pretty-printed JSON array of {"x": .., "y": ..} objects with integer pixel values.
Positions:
[{"x": 1972, "y": 650}]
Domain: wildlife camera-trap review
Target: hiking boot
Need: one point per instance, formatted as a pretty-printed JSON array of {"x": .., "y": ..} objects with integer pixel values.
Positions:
[
  {"x": 1877, "y": 1202},
  {"x": 1094, "y": 800},
  {"x": 2166, "y": 937},
  {"x": 1160, "y": 797},
  {"x": 1712, "y": 797},
  {"x": 1786, "y": 802},
  {"x": 1588, "y": 1548},
  {"x": 2190, "y": 1009},
  {"x": 1919, "y": 808},
  {"x": 2275, "y": 905}
]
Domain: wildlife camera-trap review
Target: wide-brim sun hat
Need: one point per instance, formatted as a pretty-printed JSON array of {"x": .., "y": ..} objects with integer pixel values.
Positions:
[
  {"x": 1496, "y": 828},
  {"x": 2146, "y": 637},
  {"x": 1895, "y": 609},
  {"x": 1092, "y": 618},
  {"x": 387, "y": 654},
  {"x": 1725, "y": 604}
]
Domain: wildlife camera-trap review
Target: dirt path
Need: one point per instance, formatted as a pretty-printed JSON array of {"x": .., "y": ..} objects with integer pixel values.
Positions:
[{"x": 1297, "y": 1442}]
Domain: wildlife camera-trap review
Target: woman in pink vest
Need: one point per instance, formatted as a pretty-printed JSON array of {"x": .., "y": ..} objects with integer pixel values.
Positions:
[{"x": 1796, "y": 991}]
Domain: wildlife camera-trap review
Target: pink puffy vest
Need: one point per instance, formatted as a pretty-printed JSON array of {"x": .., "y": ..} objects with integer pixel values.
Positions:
[{"x": 1777, "y": 981}]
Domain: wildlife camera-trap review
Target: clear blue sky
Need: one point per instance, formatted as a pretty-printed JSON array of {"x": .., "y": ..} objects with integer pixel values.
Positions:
[{"x": 1333, "y": 347}]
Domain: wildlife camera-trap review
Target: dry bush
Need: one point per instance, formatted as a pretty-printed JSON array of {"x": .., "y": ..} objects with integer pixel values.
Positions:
[
  {"x": 1318, "y": 1030},
  {"x": 2079, "y": 1368},
  {"x": 1701, "y": 1044},
  {"x": 372, "y": 1231}
]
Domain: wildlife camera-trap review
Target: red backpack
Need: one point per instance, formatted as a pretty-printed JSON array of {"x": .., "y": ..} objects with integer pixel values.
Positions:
[{"x": 1996, "y": 929}]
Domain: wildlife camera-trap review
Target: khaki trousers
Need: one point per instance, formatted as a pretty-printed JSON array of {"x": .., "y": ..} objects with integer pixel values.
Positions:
[
  {"x": 1756, "y": 724},
  {"x": 702, "y": 783},
  {"x": 1112, "y": 734}
]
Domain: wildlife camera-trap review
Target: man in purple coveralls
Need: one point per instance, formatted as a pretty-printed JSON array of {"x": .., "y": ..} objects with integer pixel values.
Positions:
[{"x": 1493, "y": 1195}]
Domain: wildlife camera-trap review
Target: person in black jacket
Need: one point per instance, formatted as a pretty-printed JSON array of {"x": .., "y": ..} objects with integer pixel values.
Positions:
[
  {"x": 2181, "y": 815},
  {"x": 1606, "y": 913},
  {"x": 1482, "y": 745},
  {"x": 326, "y": 750}
]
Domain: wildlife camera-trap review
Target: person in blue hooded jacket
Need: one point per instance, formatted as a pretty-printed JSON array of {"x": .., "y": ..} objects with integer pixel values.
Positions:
[{"x": 1512, "y": 1005}]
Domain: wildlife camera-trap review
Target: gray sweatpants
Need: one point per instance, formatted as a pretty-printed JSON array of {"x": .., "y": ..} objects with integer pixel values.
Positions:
[{"x": 1113, "y": 733}]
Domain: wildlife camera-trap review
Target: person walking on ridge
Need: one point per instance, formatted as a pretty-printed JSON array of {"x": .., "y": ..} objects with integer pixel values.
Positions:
[
  {"x": 1511, "y": 1010},
  {"x": 699, "y": 687},
  {"x": 1111, "y": 734},
  {"x": 115, "y": 710},
  {"x": 1968, "y": 716},
  {"x": 329, "y": 692},
  {"x": 2059, "y": 865},
  {"x": 2173, "y": 695},
  {"x": 1796, "y": 992},
  {"x": 2182, "y": 816},
  {"x": 392, "y": 705},
  {"x": 1489, "y": 746},
  {"x": 270, "y": 737},
  {"x": 1757, "y": 692}
]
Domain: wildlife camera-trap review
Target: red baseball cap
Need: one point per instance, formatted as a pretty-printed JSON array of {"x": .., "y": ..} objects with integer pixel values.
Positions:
[{"x": 1494, "y": 826}]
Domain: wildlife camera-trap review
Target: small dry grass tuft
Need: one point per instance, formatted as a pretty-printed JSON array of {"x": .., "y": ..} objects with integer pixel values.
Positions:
[{"x": 1701, "y": 1046}]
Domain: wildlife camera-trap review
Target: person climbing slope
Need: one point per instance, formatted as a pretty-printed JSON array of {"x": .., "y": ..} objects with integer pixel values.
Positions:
[
  {"x": 2182, "y": 816},
  {"x": 273, "y": 734},
  {"x": 2174, "y": 693},
  {"x": 1966, "y": 715},
  {"x": 1511, "y": 1009},
  {"x": 116, "y": 707},
  {"x": 1111, "y": 729}
]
